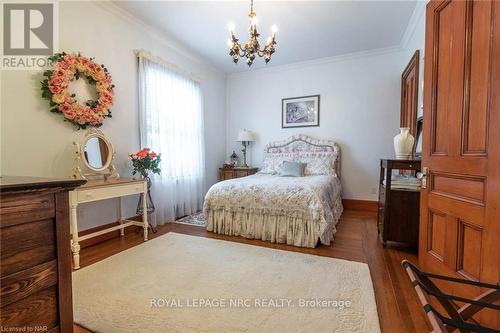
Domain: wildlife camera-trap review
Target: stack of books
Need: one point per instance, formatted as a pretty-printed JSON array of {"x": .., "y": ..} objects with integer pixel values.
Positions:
[{"x": 404, "y": 182}]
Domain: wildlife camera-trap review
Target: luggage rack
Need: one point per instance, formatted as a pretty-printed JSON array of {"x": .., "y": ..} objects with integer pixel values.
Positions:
[{"x": 460, "y": 318}]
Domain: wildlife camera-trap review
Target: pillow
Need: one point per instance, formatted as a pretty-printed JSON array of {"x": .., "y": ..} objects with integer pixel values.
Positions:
[
  {"x": 292, "y": 169},
  {"x": 272, "y": 163},
  {"x": 319, "y": 166}
]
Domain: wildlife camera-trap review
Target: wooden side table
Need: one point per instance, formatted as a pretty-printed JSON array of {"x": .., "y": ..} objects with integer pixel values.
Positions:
[
  {"x": 398, "y": 209},
  {"x": 236, "y": 172}
]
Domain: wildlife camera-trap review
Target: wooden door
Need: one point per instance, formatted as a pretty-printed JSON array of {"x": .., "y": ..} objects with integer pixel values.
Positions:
[
  {"x": 460, "y": 206},
  {"x": 409, "y": 94}
]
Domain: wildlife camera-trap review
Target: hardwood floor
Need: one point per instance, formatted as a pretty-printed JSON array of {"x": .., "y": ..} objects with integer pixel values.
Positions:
[{"x": 398, "y": 307}]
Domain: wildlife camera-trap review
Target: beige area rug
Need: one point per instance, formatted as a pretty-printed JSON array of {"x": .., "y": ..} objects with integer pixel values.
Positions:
[{"x": 180, "y": 283}]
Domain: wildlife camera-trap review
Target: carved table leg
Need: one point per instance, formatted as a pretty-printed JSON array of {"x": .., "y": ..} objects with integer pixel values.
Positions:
[{"x": 75, "y": 246}]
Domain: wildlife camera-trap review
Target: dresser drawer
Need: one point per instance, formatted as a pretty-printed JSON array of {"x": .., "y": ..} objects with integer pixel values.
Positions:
[
  {"x": 22, "y": 208},
  {"x": 22, "y": 284},
  {"x": 36, "y": 310},
  {"x": 26, "y": 245},
  {"x": 227, "y": 174},
  {"x": 240, "y": 174}
]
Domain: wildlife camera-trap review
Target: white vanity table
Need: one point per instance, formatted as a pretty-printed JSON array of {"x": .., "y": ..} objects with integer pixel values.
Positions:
[
  {"x": 93, "y": 161},
  {"x": 95, "y": 190}
]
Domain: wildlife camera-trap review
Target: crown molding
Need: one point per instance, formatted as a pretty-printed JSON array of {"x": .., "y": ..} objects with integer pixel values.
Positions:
[
  {"x": 319, "y": 61},
  {"x": 412, "y": 24},
  {"x": 180, "y": 49},
  {"x": 158, "y": 35}
]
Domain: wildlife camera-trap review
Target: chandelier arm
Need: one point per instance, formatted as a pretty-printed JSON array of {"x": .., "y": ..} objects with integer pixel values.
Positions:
[
  {"x": 264, "y": 49},
  {"x": 252, "y": 47},
  {"x": 240, "y": 49}
]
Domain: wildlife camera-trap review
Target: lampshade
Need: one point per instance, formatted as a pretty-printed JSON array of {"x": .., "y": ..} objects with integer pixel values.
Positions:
[{"x": 245, "y": 135}]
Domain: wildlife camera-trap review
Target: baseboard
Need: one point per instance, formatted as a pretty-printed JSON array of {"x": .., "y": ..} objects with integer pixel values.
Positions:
[
  {"x": 350, "y": 204},
  {"x": 361, "y": 205},
  {"x": 108, "y": 235}
]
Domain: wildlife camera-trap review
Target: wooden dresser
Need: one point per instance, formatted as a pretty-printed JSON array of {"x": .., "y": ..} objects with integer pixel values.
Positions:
[
  {"x": 398, "y": 209},
  {"x": 35, "y": 268},
  {"x": 226, "y": 173}
]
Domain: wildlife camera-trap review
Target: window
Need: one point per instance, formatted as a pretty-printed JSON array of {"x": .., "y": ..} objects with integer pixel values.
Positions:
[{"x": 171, "y": 110}]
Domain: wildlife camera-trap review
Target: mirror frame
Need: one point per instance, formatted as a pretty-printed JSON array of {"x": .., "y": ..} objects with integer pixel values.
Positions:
[
  {"x": 110, "y": 151},
  {"x": 107, "y": 170}
]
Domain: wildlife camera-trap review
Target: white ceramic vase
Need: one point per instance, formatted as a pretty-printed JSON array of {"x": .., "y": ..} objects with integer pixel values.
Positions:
[{"x": 403, "y": 144}]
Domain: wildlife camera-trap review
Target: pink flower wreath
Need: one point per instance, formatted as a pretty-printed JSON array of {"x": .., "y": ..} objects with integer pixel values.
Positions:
[{"x": 55, "y": 89}]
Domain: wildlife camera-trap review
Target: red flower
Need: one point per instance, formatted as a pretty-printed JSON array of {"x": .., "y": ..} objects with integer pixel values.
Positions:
[{"x": 152, "y": 154}]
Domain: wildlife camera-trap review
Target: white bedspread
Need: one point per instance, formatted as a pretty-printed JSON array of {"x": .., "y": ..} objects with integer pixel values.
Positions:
[{"x": 294, "y": 210}]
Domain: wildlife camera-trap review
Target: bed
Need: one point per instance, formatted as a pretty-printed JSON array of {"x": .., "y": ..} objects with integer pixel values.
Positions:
[{"x": 299, "y": 211}]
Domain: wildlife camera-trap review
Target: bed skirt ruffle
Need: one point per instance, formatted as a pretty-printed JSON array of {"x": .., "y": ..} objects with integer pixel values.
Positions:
[{"x": 291, "y": 228}]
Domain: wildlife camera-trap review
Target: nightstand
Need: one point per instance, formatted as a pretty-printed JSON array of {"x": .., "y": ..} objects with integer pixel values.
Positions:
[
  {"x": 398, "y": 208},
  {"x": 237, "y": 172}
]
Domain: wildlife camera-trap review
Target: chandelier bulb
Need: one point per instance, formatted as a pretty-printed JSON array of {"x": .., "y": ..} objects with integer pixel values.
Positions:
[
  {"x": 230, "y": 27},
  {"x": 274, "y": 29}
]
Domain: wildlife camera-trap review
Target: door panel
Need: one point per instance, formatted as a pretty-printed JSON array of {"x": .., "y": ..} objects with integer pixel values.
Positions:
[
  {"x": 436, "y": 234},
  {"x": 470, "y": 239},
  {"x": 477, "y": 66},
  {"x": 459, "y": 187},
  {"x": 460, "y": 216}
]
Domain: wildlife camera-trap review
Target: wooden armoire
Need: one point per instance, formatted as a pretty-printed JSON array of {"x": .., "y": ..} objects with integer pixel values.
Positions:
[{"x": 460, "y": 204}]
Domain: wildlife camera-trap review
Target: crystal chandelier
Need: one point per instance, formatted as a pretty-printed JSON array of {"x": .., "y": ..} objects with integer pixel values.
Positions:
[{"x": 252, "y": 47}]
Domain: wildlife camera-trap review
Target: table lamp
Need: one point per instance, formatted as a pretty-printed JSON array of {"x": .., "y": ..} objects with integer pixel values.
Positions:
[{"x": 245, "y": 137}]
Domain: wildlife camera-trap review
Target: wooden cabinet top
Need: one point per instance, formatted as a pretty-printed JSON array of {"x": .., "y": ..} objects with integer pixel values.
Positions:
[
  {"x": 239, "y": 169},
  {"x": 21, "y": 183},
  {"x": 400, "y": 164}
]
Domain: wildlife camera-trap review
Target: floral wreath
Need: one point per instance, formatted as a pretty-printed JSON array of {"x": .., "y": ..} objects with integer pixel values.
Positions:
[{"x": 55, "y": 89}]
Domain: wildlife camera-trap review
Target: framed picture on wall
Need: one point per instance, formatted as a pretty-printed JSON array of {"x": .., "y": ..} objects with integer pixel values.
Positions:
[{"x": 300, "y": 111}]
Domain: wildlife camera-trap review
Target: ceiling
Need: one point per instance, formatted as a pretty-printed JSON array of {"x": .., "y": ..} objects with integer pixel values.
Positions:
[{"x": 306, "y": 29}]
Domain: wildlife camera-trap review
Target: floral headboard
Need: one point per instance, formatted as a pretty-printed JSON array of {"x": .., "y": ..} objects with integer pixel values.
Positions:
[{"x": 303, "y": 147}]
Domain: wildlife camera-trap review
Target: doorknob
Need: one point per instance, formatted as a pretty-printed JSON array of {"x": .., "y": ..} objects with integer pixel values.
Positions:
[{"x": 423, "y": 177}]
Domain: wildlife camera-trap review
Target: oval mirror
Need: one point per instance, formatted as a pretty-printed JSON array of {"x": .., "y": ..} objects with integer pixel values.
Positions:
[{"x": 96, "y": 153}]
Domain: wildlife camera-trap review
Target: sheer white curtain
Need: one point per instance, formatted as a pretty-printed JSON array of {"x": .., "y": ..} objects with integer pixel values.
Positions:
[{"x": 171, "y": 123}]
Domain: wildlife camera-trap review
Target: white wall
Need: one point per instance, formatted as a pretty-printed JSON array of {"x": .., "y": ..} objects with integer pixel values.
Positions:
[
  {"x": 37, "y": 143},
  {"x": 360, "y": 105},
  {"x": 360, "y": 99}
]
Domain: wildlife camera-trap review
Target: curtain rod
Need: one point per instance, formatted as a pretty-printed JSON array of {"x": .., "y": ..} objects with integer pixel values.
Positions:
[{"x": 140, "y": 53}]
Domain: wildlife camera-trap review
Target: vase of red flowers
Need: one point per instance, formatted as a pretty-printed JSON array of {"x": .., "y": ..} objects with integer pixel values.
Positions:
[{"x": 145, "y": 162}]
